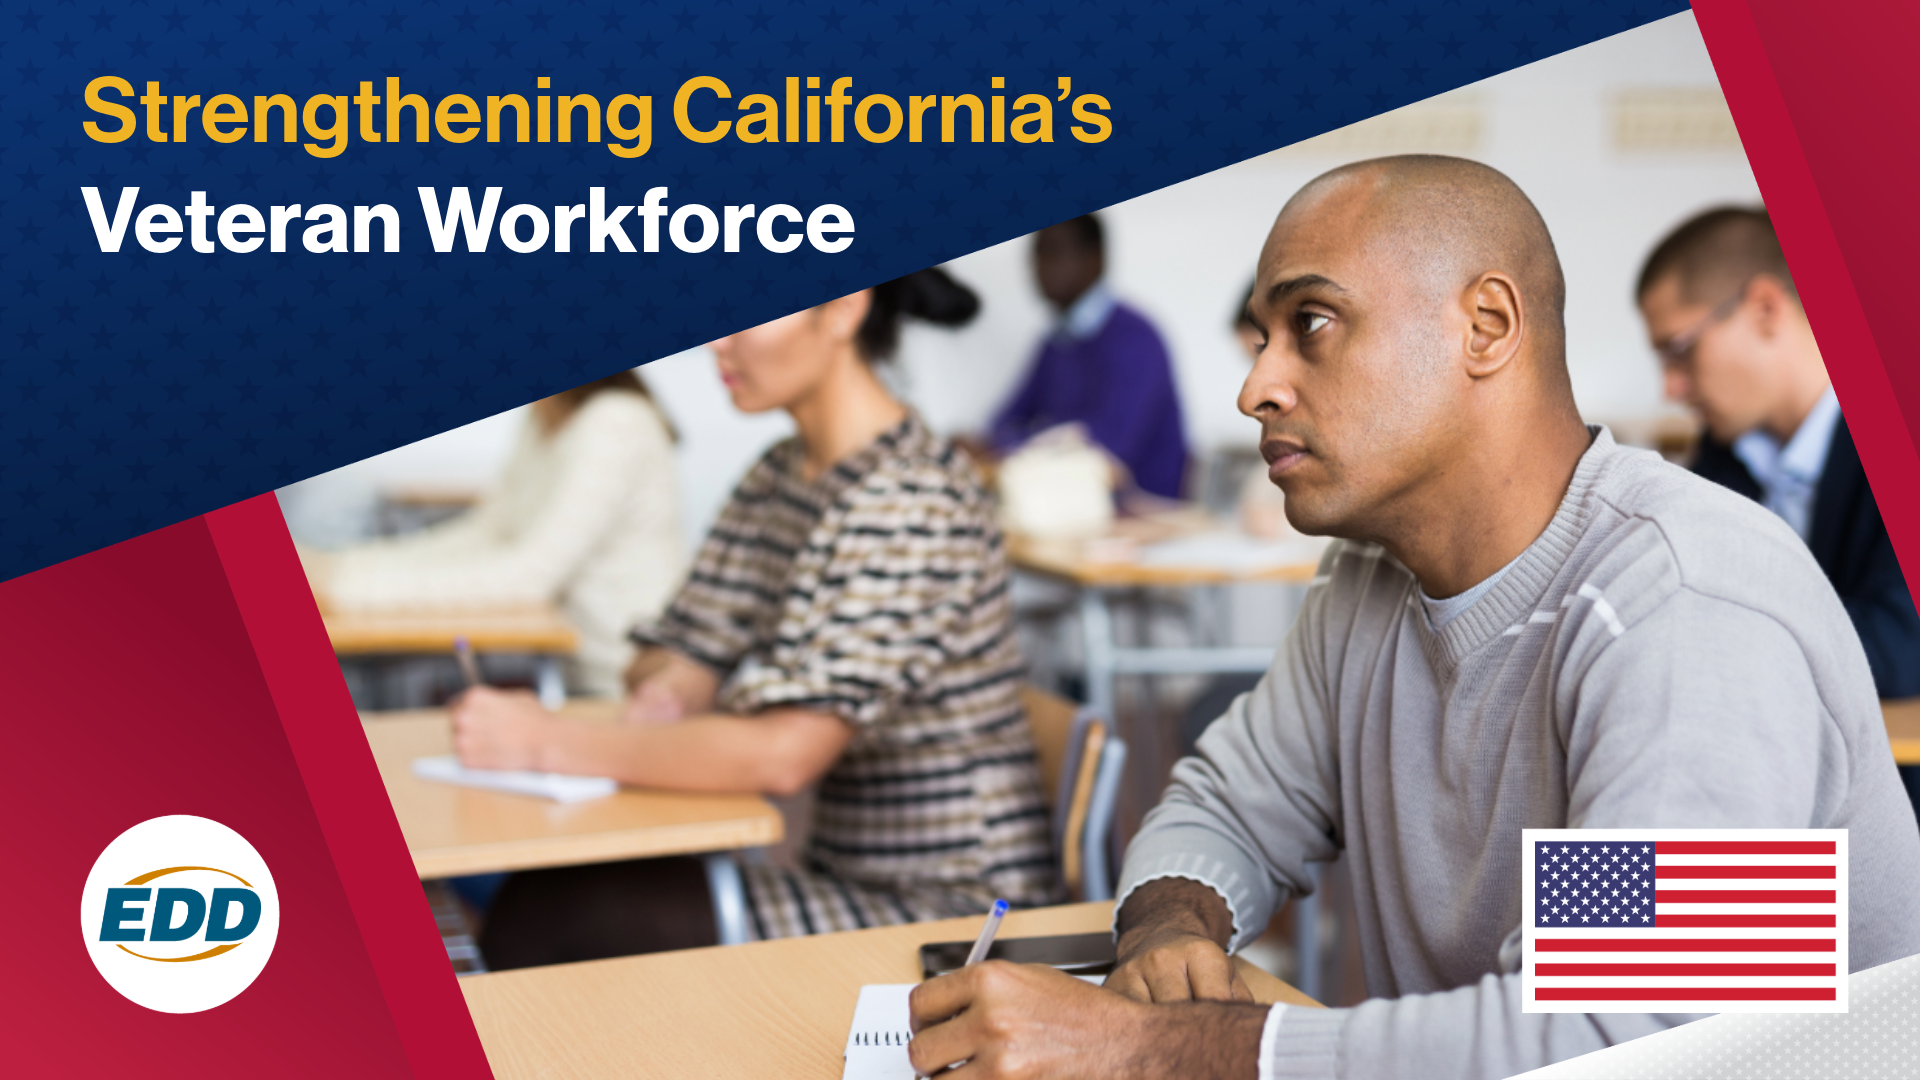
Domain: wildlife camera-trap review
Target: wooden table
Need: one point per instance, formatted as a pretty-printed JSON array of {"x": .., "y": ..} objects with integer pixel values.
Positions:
[
  {"x": 538, "y": 630},
  {"x": 769, "y": 1009},
  {"x": 1125, "y": 560},
  {"x": 1903, "y": 729},
  {"x": 454, "y": 830}
]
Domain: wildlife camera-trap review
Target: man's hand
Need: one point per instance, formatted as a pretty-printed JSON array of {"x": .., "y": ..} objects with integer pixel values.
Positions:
[
  {"x": 498, "y": 729},
  {"x": 1020, "y": 1021},
  {"x": 1029, "y": 1022},
  {"x": 1173, "y": 935}
]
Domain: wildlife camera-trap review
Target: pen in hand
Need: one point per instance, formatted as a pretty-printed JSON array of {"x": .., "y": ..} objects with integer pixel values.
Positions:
[
  {"x": 468, "y": 667},
  {"x": 985, "y": 941},
  {"x": 982, "y": 945}
]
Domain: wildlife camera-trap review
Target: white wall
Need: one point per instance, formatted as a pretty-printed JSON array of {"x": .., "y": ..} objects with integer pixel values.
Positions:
[{"x": 1185, "y": 254}]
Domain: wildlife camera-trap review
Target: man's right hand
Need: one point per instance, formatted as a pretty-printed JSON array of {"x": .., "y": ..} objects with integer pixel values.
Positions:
[{"x": 1173, "y": 934}]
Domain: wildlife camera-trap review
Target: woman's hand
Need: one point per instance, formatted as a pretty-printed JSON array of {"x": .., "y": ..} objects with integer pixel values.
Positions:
[
  {"x": 653, "y": 702},
  {"x": 499, "y": 729},
  {"x": 666, "y": 687}
]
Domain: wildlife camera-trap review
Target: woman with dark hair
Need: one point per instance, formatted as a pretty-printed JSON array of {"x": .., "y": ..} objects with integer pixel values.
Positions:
[
  {"x": 585, "y": 515},
  {"x": 846, "y": 622}
]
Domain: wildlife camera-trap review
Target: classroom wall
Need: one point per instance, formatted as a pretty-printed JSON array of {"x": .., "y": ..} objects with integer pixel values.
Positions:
[{"x": 1616, "y": 142}]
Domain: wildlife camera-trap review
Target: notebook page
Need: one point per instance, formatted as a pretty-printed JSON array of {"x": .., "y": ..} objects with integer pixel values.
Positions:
[{"x": 559, "y": 787}]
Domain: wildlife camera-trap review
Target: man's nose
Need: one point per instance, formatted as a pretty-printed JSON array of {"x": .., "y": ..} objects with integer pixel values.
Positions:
[{"x": 1267, "y": 384}]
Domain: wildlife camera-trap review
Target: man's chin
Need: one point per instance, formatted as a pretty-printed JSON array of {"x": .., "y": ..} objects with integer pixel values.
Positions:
[{"x": 1310, "y": 519}]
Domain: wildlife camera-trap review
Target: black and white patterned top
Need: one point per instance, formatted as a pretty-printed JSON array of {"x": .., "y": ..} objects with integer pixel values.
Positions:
[{"x": 878, "y": 593}]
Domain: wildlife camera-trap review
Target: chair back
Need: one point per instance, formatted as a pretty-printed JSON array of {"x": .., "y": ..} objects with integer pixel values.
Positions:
[{"x": 1080, "y": 764}]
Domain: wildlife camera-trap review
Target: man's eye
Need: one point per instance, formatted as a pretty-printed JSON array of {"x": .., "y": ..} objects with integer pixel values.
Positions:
[{"x": 1309, "y": 322}]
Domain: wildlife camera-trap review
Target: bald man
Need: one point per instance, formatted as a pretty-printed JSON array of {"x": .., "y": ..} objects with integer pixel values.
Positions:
[{"x": 1524, "y": 626}]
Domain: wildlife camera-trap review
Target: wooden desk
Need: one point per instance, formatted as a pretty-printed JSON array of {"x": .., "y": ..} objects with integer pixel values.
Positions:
[
  {"x": 538, "y": 630},
  {"x": 1903, "y": 729},
  {"x": 457, "y": 830},
  {"x": 1098, "y": 564},
  {"x": 775, "y": 1008}
]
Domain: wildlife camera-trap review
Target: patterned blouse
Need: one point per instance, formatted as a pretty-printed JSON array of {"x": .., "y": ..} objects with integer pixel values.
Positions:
[{"x": 877, "y": 593}]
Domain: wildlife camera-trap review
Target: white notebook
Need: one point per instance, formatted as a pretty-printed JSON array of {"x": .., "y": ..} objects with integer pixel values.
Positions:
[
  {"x": 882, "y": 1028},
  {"x": 559, "y": 787}
]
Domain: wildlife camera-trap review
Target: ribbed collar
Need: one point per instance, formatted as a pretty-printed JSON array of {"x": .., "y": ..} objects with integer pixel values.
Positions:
[{"x": 1528, "y": 577}]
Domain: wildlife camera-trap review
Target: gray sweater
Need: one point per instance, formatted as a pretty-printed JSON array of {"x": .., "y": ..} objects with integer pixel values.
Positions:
[{"x": 1666, "y": 654}]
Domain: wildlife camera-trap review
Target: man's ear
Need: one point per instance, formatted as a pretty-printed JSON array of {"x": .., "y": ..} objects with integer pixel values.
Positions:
[
  {"x": 1497, "y": 324},
  {"x": 1772, "y": 305}
]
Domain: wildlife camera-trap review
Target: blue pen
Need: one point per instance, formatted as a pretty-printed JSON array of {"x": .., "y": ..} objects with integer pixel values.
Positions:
[
  {"x": 985, "y": 941},
  {"x": 980, "y": 946}
]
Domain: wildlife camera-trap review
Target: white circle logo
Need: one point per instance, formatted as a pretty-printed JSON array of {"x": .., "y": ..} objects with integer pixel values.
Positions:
[{"x": 179, "y": 914}]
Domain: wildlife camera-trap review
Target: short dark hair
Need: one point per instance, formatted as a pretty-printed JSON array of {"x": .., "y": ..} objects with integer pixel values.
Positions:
[
  {"x": 1717, "y": 252},
  {"x": 1087, "y": 232}
]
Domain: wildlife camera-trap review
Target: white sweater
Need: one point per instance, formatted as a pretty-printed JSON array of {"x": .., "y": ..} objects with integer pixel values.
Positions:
[{"x": 588, "y": 518}]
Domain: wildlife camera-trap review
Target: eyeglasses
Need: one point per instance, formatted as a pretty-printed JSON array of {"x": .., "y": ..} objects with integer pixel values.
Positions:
[{"x": 1677, "y": 351}]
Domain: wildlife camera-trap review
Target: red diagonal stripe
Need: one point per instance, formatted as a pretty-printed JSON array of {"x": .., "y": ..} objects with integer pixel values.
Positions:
[
  {"x": 1667, "y": 921},
  {"x": 1684, "y": 993},
  {"x": 1743, "y": 896},
  {"x": 1777, "y": 873},
  {"x": 1683, "y": 970},
  {"x": 1743, "y": 847},
  {"x": 1684, "y": 945}
]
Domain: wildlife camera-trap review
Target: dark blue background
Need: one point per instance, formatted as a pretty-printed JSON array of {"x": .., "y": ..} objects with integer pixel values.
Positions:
[{"x": 138, "y": 389}]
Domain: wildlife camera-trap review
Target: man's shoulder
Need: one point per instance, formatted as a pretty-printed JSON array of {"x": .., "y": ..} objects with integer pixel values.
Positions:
[
  {"x": 1713, "y": 538},
  {"x": 1130, "y": 322},
  {"x": 1657, "y": 532}
]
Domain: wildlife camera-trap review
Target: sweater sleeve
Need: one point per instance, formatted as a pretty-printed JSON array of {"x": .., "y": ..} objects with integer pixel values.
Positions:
[
  {"x": 1693, "y": 716},
  {"x": 606, "y": 450},
  {"x": 1258, "y": 800}
]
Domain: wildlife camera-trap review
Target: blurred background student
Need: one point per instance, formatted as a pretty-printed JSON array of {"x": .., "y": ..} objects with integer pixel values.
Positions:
[
  {"x": 1736, "y": 348},
  {"x": 846, "y": 621},
  {"x": 584, "y": 515},
  {"x": 1103, "y": 366}
]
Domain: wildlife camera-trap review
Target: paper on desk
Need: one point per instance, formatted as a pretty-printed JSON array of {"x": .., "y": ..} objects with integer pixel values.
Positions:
[
  {"x": 559, "y": 787},
  {"x": 1232, "y": 551},
  {"x": 882, "y": 1028}
]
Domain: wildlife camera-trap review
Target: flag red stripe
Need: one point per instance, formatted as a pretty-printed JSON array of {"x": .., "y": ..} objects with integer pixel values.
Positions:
[
  {"x": 1668, "y": 921},
  {"x": 1744, "y": 847},
  {"x": 1744, "y": 896},
  {"x": 1683, "y": 970},
  {"x": 1777, "y": 873},
  {"x": 1683, "y": 945},
  {"x": 1684, "y": 993}
]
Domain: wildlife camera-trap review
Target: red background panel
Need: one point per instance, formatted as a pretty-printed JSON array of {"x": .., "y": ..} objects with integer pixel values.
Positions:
[
  {"x": 1822, "y": 97},
  {"x": 135, "y": 690}
]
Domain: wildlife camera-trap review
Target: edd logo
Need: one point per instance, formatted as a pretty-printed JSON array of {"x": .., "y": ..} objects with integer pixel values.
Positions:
[{"x": 179, "y": 914}]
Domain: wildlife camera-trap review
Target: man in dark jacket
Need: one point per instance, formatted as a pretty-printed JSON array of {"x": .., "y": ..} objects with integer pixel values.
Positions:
[{"x": 1735, "y": 345}]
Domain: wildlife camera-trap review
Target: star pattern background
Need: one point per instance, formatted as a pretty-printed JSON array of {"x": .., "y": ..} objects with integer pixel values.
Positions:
[{"x": 137, "y": 390}]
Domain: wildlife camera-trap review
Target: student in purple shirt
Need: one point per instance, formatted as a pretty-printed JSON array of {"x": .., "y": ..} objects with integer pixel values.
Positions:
[{"x": 1103, "y": 366}]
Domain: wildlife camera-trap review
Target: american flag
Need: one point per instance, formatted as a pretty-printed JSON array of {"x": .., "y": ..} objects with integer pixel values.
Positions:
[{"x": 1685, "y": 920}]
